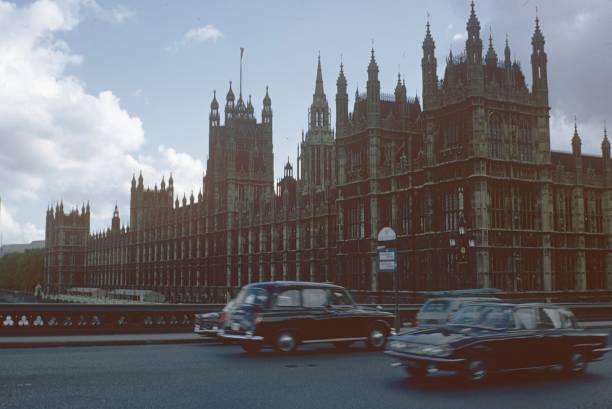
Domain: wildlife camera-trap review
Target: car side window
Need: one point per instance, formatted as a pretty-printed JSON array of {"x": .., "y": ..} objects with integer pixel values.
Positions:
[
  {"x": 338, "y": 298},
  {"x": 288, "y": 298},
  {"x": 544, "y": 320},
  {"x": 554, "y": 316},
  {"x": 526, "y": 318},
  {"x": 567, "y": 319},
  {"x": 314, "y": 297}
]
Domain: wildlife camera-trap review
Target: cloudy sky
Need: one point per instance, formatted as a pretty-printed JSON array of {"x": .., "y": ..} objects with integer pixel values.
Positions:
[{"x": 92, "y": 92}]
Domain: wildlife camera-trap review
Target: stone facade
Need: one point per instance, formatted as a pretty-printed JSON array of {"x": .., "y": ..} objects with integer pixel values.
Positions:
[{"x": 468, "y": 181}]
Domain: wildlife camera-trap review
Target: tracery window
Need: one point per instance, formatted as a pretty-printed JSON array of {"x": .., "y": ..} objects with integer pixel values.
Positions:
[
  {"x": 495, "y": 137},
  {"x": 525, "y": 147}
]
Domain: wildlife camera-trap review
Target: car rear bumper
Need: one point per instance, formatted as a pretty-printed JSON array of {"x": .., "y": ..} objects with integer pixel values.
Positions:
[{"x": 423, "y": 361}]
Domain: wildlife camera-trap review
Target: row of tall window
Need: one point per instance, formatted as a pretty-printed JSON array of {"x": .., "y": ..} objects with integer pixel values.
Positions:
[{"x": 497, "y": 140}]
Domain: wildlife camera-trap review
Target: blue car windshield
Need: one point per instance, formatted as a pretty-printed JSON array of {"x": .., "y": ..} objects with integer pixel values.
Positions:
[{"x": 484, "y": 316}]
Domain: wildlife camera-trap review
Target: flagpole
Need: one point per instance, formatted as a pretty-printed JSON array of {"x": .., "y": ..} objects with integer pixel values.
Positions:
[{"x": 241, "y": 53}]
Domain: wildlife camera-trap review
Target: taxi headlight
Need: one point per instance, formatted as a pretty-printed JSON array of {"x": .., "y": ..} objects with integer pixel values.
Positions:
[{"x": 436, "y": 350}]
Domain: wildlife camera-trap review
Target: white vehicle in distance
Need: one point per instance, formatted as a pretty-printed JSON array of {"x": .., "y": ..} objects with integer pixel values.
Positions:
[{"x": 437, "y": 311}]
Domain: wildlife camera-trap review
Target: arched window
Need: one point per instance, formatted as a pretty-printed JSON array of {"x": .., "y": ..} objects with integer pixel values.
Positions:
[{"x": 495, "y": 137}]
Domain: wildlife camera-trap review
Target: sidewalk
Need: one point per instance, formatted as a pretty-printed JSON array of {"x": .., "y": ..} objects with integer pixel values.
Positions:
[{"x": 102, "y": 340}]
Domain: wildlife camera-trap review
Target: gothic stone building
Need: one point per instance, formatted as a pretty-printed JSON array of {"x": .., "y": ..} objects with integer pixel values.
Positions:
[{"x": 468, "y": 181}]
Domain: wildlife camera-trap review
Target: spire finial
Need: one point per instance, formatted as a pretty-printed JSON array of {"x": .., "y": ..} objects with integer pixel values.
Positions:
[
  {"x": 575, "y": 125},
  {"x": 472, "y": 7},
  {"x": 428, "y": 25},
  {"x": 605, "y": 130}
]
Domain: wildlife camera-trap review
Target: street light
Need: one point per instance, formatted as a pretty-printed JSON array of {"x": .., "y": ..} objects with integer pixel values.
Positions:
[{"x": 387, "y": 262}]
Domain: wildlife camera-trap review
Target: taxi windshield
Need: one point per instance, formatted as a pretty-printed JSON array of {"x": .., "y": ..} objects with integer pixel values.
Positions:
[{"x": 252, "y": 296}]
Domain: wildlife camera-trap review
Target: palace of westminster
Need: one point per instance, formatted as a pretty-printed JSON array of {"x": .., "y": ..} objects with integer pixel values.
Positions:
[{"x": 465, "y": 177}]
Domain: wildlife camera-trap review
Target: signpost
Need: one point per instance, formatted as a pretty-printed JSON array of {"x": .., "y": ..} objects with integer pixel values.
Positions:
[{"x": 387, "y": 263}]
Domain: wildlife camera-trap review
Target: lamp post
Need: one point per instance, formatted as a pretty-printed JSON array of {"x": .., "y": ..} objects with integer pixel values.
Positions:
[{"x": 387, "y": 262}]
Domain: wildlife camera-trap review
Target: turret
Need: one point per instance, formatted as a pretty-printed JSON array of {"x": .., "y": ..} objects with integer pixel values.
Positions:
[
  {"x": 400, "y": 97},
  {"x": 373, "y": 94},
  {"x": 133, "y": 183},
  {"x": 491, "y": 57},
  {"x": 576, "y": 142},
  {"x": 538, "y": 65},
  {"x": 429, "y": 70},
  {"x": 473, "y": 49},
  {"x": 249, "y": 109},
  {"x": 288, "y": 169},
  {"x": 214, "y": 112},
  {"x": 140, "y": 181},
  {"x": 605, "y": 148},
  {"x": 341, "y": 103},
  {"x": 266, "y": 113},
  {"x": 170, "y": 189},
  {"x": 507, "y": 59},
  {"x": 229, "y": 104}
]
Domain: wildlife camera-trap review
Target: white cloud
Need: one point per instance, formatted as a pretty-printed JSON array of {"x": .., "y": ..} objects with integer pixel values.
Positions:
[
  {"x": 56, "y": 140},
  {"x": 562, "y": 131},
  {"x": 208, "y": 33},
  {"x": 27, "y": 232},
  {"x": 460, "y": 37}
]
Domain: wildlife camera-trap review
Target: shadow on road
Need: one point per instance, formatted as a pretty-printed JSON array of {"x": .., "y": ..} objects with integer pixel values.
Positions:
[
  {"x": 236, "y": 352},
  {"x": 454, "y": 386}
]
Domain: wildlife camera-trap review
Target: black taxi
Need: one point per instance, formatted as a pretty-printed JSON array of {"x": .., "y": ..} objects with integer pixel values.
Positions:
[
  {"x": 496, "y": 337},
  {"x": 284, "y": 314}
]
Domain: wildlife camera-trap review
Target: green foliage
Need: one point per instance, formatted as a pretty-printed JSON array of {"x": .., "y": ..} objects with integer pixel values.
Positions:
[{"x": 22, "y": 270}]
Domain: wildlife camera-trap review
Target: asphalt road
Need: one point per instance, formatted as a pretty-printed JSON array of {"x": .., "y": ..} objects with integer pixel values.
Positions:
[{"x": 217, "y": 376}]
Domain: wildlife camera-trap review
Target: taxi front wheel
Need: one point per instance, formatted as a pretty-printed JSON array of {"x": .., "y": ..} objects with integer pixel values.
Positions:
[{"x": 286, "y": 342}]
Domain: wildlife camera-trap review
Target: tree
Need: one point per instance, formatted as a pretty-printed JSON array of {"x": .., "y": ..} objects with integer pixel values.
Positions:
[{"x": 22, "y": 270}]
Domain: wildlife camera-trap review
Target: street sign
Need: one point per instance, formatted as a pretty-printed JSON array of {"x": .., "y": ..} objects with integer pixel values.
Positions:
[
  {"x": 387, "y": 260},
  {"x": 386, "y": 234}
]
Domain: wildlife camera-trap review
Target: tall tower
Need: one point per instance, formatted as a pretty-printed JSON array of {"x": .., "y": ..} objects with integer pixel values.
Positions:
[
  {"x": 116, "y": 222},
  {"x": 538, "y": 65},
  {"x": 429, "y": 70}
]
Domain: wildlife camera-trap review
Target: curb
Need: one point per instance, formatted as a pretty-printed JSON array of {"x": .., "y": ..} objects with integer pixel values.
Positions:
[{"x": 110, "y": 342}]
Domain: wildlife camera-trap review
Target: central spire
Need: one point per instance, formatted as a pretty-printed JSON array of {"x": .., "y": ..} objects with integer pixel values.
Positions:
[
  {"x": 319, "y": 109},
  {"x": 319, "y": 81}
]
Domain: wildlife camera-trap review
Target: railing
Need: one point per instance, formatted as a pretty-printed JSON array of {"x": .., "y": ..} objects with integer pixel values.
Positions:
[
  {"x": 67, "y": 319},
  {"x": 51, "y": 319}
]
